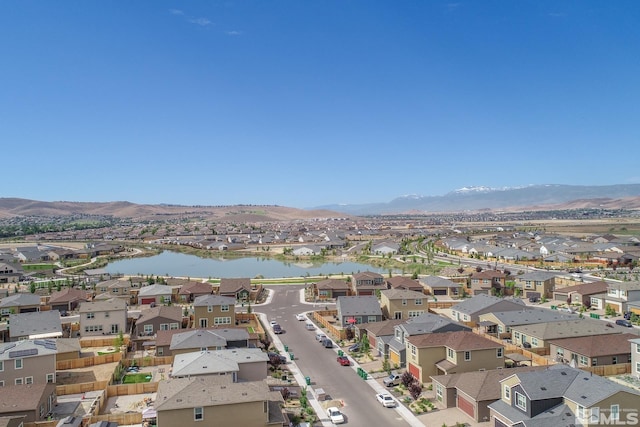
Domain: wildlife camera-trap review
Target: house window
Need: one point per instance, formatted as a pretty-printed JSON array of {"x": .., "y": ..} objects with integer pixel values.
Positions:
[
  {"x": 1, "y": 365},
  {"x": 637, "y": 367},
  {"x": 415, "y": 313},
  {"x": 397, "y": 315},
  {"x": 18, "y": 381},
  {"x": 114, "y": 291},
  {"x": 595, "y": 415},
  {"x": 209, "y": 309},
  {"x": 404, "y": 302},
  {"x": 173, "y": 326},
  {"x": 106, "y": 314},
  {"x": 637, "y": 348},
  {"x": 160, "y": 351},
  {"x": 28, "y": 380},
  {"x": 114, "y": 329},
  {"x": 164, "y": 326},
  {"x": 222, "y": 321},
  {"x": 581, "y": 412},
  {"x": 450, "y": 353},
  {"x": 413, "y": 350},
  {"x": 224, "y": 307},
  {"x": 594, "y": 361},
  {"x": 499, "y": 353},
  {"x": 516, "y": 336},
  {"x": 614, "y": 360},
  {"x": 439, "y": 392},
  {"x": 534, "y": 342},
  {"x": 18, "y": 364},
  {"x": 521, "y": 401},
  {"x": 560, "y": 351},
  {"x": 615, "y": 412},
  {"x": 583, "y": 360},
  {"x": 419, "y": 301},
  {"x": 467, "y": 356},
  {"x": 2, "y": 383},
  {"x": 93, "y": 328},
  {"x": 507, "y": 392},
  {"x": 204, "y": 322},
  {"x": 51, "y": 378},
  {"x": 90, "y": 315},
  {"x": 148, "y": 329},
  {"x": 371, "y": 319},
  {"x": 198, "y": 414}
]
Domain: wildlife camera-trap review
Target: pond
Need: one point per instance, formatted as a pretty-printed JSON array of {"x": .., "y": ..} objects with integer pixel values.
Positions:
[{"x": 175, "y": 264}]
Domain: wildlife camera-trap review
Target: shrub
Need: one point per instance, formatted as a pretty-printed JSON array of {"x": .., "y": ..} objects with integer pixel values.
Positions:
[
  {"x": 407, "y": 379},
  {"x": 415, "y": 389}
]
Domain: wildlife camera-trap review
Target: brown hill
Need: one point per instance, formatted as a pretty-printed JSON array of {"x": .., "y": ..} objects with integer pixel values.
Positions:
[{"x": 15, "y": 207}]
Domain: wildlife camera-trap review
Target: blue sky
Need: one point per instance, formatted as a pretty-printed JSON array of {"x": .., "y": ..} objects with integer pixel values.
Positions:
[{"x": 304, "y": 103}]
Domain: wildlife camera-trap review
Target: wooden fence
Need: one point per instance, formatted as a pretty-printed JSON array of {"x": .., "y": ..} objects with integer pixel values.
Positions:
[
  {"x": 121, "y": 419},
  {"x": 85, "y": 362},
  {"x": 147, "y": 361},
  {"x": 609, "y": 370},
  {"x": 325, "y": 317},
  {"x": 101, "y": 342},
  {"x": 128, "y": 389},
  {"x": 536, "y": 359},
  {"x": 52, "y": 423},
  {"x": 78, "y": 388}
]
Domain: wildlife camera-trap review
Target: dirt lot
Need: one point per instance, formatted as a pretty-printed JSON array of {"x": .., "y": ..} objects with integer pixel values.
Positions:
[{"x": 86, "y": 375}]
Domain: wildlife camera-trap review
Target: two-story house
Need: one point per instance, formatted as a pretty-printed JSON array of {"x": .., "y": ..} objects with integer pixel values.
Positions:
[
  {"x": 241, "y": 364},
  {"x": 181, "y": 402},
  {"x": 441, "y": 287},
  {"x": 402, "y": 303},
  {"x": 635, "y": 357},
  {"x": 170, "y": 343},
  {"x": 19, "y": 303},
  {"x": 10, "y": 272},
  {"x": 536, "y": 284},
  {"x": 35, "y": 325},
  {"x": 487, "y": 281},
  {"x": 562, "y": 396},
  {"x": 450, "y": 353},
  {"x": 103, "y": 317},
  {"x": 33, "y": 401},
  {"x": 404, "y": 282},
  {"x": 354, "y": 310},
  {"x": 214, "y": 310},
  {"x": 619, "y": 294},
  {"x": 469, "y": 311},
  {"x": 28, "y": 362},
  {"x": 155, "y": 294},
  {"x": 367, "y": 283},
  {"x": 331, "y": 288},
  {"x": 159, "y": 318},
  {"x": 593, "y": 350}
]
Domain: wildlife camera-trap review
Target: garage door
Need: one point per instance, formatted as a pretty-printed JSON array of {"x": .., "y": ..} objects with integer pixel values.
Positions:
[
  {"x": 148, "y": 300},
  {"x": 439, "y": 291},
  {"x": 415, "y": 371},
  {"x": 465, "y": 406}
]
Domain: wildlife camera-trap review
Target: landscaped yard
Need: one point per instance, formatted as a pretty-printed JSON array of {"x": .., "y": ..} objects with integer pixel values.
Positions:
[{"x": 141, "y": 377}]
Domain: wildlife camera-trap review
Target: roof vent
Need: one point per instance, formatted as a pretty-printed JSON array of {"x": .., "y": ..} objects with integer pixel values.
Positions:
[{"x": 563, "y": 373}]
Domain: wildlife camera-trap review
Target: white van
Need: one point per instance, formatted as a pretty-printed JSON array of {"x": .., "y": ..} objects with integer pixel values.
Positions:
[{"x": 310, "y": 326}]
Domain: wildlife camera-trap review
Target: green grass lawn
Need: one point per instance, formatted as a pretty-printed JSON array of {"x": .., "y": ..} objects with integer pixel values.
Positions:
[
  {"x": 102, "y": 353},
  {"x": 141, "y": 377}
]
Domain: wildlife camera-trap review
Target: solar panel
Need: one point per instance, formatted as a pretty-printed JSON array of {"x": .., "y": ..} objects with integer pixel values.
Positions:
[
  {"x": 51, "y": 346},
  {"x": 39, "y": 342},
  {"x": 23, "y": 353},
  {"x": 7, "y": 347}
]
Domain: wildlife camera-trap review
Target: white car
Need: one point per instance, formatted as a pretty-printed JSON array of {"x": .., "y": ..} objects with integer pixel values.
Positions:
[
  {"x": 386, "y": 400},
  {"x": 273, "y": 322},
  {"x": 335, "y": 415},
  {"x": 300, "y": 316}
]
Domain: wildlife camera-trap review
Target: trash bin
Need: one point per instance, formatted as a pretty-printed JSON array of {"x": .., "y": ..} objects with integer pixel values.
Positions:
[
  {"x": 340, "y": 353},
  {"x": 286, "y": 348},
  {"x": 307, "y": 380},
  {"x": 291, "y": 356}
]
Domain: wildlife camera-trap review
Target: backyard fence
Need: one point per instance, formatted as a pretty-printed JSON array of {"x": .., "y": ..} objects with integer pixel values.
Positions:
[{"x": 85, "y": 362}]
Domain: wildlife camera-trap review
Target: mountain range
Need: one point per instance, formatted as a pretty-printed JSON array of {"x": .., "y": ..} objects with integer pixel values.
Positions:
[{"x": 468, "y": 199}]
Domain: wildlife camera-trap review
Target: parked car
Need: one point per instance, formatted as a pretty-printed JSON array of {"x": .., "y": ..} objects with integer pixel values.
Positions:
[
  {"x": 327, "y": 343},
  {"x": 320, "y": 336},
  {"x": 335, "y": 415},
  {"x": 627, "y": 315},
  {"x": 310, "y": 326},
  {"x": 300, "y": 317},
  {"x": 277, "y": 329},
  {"x": 272, "y": 354},
  {"x": 526, "y": 344},
  {"x": 272, "y": 323},
  {"x": 534, "y": 299},
  {"x": 386, "y": 400},
  {"x": 344, "y": 361},
  {"x": 392, "y": 380},
  {"x": 354, "y": 347},
  {"x": 624, "y": 322}
]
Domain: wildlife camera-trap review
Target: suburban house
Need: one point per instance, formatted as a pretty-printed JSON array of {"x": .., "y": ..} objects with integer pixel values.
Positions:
[
  {"x": 181, "y": 402},
  {"x": 28, "y": 362},
  {"x": 68, "y": 348},
  {"x": 19, "y": 303},
  {"x": 469, "y": 310},
  {"x": 539, "y": 335},
  {"x": 441, "y": 287},
  {"x": 192, "y": 340},
  {"x": 367, "y": 283},
  {"x": 586, "y": 294},
  {"x": 241, "y": 364},
  {"x": 159, "y": 318},
  {"x": 33, "y": 401},
  {"x": 619, "y": 294},
  {"x": 15, "y": 421},
  {"x": 561, "y": 396},
  {"x": 239, "y": 289},
  {"x": 635, "y": 357},
  {"x": 358, "y": 309},
  {"x": 116, "y": 288},
  {"x": 487, "y": 281},
  {"x": 402, "y": 304},
  {"x": 67, "y": 299},
  {"x": 331, "y": 288},
  {"x": 536, "y": 284},
  {"x": 385, "y": 248},
  {"x": 593, "y": 350},
  {"x": 307, "y": 250},
  {"x": 472, "y": 392},
  {"x": 499, "y": 323},
  {"x": 450, "y": 353},
  {"x": 10, "y": 273},
  {"x": 214, "y": 310},
  {"x": 191, "y": 290},
  {"x": 379, "y": 334},
  {"x": 427, "y": 323},
  {"x": 103, "y": 317},
  {"x": 404, "y": 282},
  {"x": 36, "y": 325},
  {"x": 155, "y": 294}
]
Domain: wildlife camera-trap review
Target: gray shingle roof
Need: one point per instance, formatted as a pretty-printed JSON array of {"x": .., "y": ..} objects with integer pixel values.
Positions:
[
  {"x": 213, "y": 300},
  {"x": 36, "y": 323},
  {"x": 483, "y": 302},
  {"x": 366, "y": 305}
]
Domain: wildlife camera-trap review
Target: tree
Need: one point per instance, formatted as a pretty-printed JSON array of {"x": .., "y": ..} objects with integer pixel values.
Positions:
[
  {"x": 415, "y": 389},
  {"x": 386, "y": 366},
  {"x": 32, "y": 288},
  {"x": 265, "y": 341},
  {"x": 275, "y": 361},
  {"x": 407, "y": 379}
]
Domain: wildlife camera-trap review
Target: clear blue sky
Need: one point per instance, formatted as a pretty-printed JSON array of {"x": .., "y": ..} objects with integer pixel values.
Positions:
[{"x": 304, "y": 103}]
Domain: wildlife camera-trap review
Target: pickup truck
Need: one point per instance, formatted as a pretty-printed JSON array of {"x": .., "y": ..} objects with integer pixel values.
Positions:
[{"x": 392, "y": 380}]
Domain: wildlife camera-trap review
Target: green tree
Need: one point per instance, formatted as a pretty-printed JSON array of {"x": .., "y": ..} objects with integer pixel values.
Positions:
[{"x": 32, "y": 288}]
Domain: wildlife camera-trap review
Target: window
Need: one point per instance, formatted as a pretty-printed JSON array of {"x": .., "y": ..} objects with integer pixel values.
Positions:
[
  {"x": 413, "y": 350},
  {"x": 224, "y": 307},
  {"x": 2, "y": 365},
  {"x": 521, "y": 401},
  {"x": 594, "y": 361},
  {"x": 507, "y": 392},
  {"x": 583, "y": 360},
  {"x": 516, "y": 336},
  {"x": 499, "y": 353},
  {"x": 450, "y": 353},
  {"x": 164, "y": 326},
  {"x": 114, "y": 329},
  {"x": 419, "y": 301},
  {"x": 397, "y": 315},
  {"x": 114, "y": 291},
  {"x": 209, "y": 309},
  {"x": 28, "y": 380},
  {"x": 415, "y": 313},
  {"x": 93, "y": 328},
  {"x": 439, "y": 392},
  {"x": 51, "y": 378},
  {"x": 18, "y": 364},
  {"x": 595, "y": 415},
  {"x": 1, "y": 383},
  {"x": 467, "y": 356},
  {"x": 534, "y": 342},
  {"x": 404, "y": 302},
  {"x": 615, "y": 412},
  {"x": 222, "y": 321},
  {"x": 106, "y": 314},
  {"x": 198, "y": 414},
  {"x": 18, "y": 381},
  {"x": 204, "y": 322},
  {"x": 637, "y": 348},
  {"x": 614, "y": 360},
  {"x": 148, "y": 329},
  {"x": 91, "y": 315},
  {"x": 173, "y": 326},
  {"x": 581, "y": 412},
  {"x": 560, "y": 351},
  {"x": 372, "y": 319},
  {"x": 637, "y": 367}
]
